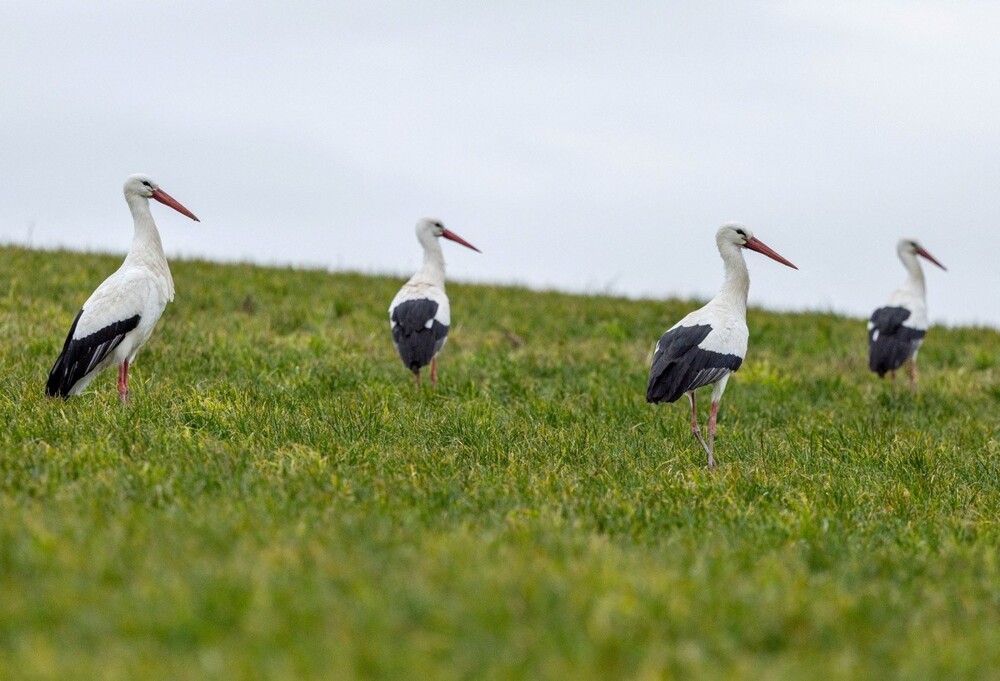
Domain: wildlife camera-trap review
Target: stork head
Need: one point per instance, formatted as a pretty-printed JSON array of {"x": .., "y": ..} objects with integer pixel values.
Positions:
[
  {"x": 144, "y": 186},
  {"x": 430, "y": 228},
  {"x": 737, "y": 235},
  {"x": 912, "y": 248}
]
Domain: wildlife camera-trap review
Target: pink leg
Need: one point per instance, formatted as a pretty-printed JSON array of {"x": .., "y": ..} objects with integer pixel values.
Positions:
[
  {"x": 123, "y": 381},
  {"x": 434, "y": 371},
  {"x": 694, "y": 425},
  {"x": 913, "y": 375},
  {"x": 712, "y": 417},
  {"x": 416, "y": 378}
]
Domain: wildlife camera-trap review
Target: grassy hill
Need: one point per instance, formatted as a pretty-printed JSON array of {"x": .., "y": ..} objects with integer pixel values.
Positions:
[{"x": 279, "y": 502}]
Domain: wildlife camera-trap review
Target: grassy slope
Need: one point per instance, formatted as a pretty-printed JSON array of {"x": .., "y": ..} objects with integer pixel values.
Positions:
[{"x": 278, "y": 502}]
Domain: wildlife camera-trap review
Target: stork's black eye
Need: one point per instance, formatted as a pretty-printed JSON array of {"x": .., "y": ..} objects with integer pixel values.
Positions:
[
  {"x": 146, "y": 182},
  {"x": 741, "y": 233}
]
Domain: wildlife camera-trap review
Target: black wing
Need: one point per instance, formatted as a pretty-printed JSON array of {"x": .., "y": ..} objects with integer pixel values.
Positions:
[
  {"x": 890, "y": 343},
  {"x": 679, "y": 365},
  {"x": 417, "y": 335},
  {"x": 81, "y": 355}
]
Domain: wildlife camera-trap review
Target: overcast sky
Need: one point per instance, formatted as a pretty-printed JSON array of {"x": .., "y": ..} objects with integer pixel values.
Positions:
[{"x": 581, "y": 145}]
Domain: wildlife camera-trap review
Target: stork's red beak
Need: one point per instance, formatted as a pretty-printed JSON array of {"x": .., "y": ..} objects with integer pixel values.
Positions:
[
  {"x": 755, "y": 244},
  {"x": 167, "y": 200},
  {"x": 448, "y": 234},
  {"x": 925, "y": 254}
]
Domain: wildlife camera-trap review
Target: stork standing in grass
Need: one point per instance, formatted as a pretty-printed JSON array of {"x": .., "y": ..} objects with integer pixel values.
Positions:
[
  {"x": 710, "y": 343},
  {"x": 119, "y": 316},
  {"x": 420, "y": 314},
  {"x": 896, "y": 330}
]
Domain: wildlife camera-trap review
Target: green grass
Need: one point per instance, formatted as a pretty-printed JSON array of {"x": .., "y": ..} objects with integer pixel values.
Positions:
[{"x": 279, "y": 502}]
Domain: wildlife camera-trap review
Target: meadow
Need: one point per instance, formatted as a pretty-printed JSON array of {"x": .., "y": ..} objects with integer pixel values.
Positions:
[{"x": 279, "y": 502}]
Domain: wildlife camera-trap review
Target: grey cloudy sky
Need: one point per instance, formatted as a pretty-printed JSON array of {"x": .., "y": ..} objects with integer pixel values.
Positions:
[{"x": 581, "y": 145}]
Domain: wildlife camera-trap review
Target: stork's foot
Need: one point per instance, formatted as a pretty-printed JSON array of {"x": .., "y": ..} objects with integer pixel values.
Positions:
[
  {"x": 708, "y": 450},
  {"x": 123, "y": 382},
  {"x": 697, "y": 431},
  {"x": 705, "y": 445},
  {"x": 713, "y": 416}
]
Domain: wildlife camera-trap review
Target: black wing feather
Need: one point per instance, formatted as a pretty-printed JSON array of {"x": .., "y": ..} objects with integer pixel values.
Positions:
[
  {"x": 679, "y": 365},
  {"x": 416, "y": 343},
  {"x": 890, "y": 343},
  {"x": 81, "y": 355}
]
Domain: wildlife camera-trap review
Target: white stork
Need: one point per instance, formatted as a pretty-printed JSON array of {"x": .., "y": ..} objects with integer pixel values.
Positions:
[
  {"x": 896, "y": 330},
  {"x": 120, "y": 314},
  {"x": 420, "y": 314},
  {"x": 709, "y": 343}
]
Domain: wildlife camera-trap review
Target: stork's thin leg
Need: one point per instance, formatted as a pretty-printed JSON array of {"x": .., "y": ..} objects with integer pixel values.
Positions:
[
  {"x": 712, "y": 417},
  {"x": 123, "y": 381},
  {"x": 416, "y": 378},
  {"x": 892, "y": 375},
  {"x": 694, "y": 425},
  {"x": 434, "y": 372},
  {"x": 913, "y": 375}
]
